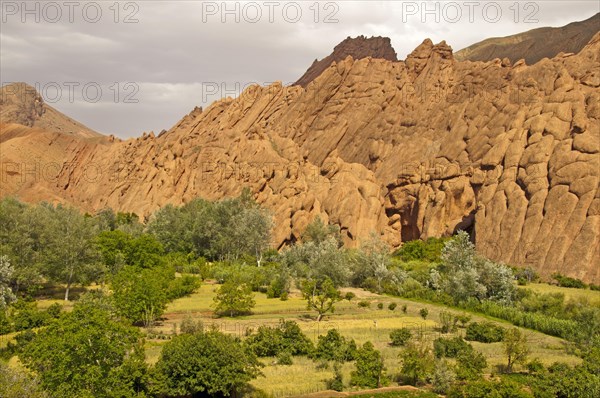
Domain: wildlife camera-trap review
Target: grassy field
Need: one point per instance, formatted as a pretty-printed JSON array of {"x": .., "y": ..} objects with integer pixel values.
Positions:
[
  {"x": 362, "y": 324},
  {"x": 570, "y": 293}
]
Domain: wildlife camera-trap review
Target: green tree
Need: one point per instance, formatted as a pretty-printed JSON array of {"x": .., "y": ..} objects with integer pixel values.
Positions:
[
  {"x": 470, "y": 364},
  {"x": 320, "y": 296},
  {"x": 424, "y": 312},
  {"x": 6, "y": 273},
  {"x": 317, "y": 232},
  {"x": 417, "y": 363},
  {"x": 370, "y": 369},
  {"x": 515, "y": 348},
  {"x": 335, "y": 347},
  {"x": 443, "y": 377},
  {"x": 211, "y": 363},
  {"x": 372, "y": 262},
  {"x": 400, "y": 337},
  {"x": 87, "y": 353},
  {"x": 140, "y": 295},
  {"x": 71, "y": 257},
  {"x": 234, "y": 297}
]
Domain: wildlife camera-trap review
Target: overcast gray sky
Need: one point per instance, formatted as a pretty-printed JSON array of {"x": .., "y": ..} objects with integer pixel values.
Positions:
[{"x": 128, "y": 67}]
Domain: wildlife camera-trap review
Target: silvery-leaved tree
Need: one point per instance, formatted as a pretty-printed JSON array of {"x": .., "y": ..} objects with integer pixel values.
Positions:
[{"x": 6, "y": 272}]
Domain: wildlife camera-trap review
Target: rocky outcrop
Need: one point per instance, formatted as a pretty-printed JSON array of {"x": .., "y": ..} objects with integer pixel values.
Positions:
[
  {"x": 357, "y": 48},
  {"x": 21, "y": 104},
  {"x": 534, "y": 45},
  {"x": 411, "y": 149}
]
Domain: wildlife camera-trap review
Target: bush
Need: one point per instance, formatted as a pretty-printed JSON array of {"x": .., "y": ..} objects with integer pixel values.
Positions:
[
  {"x": 447, "y": 322},
  {"x": 443, "y": 377},
  {"x": 335, "y": 347},
  {"x": 54, "y": 311},
  {"x": 565, "y": 281},
  {"x": 429, "y": 250},
  {"x": 484, "y": 389},
  {"x": 370, "y": 370},
  {"x": 189, "y": 326},
  {"x": 181, "y": 287},
  {"x": 284, "y": 358},
  {"x": 271, "y": 341},
  {"x": 392, "y": 306},
  {"x": 336, "y": 383},
  {"x": 27, "y": 316},
  {"x": 364, "y": 304},
  {"x": 463, "y": 319},
  {"x": 484, "y": 332},
  {"x": 380, "y": 306},
  {"x": 212, "y": 363},
  {"x": 470, "y": 365},
  {"x": 400, "y": 337},
  {"x": 404, "y": 308},
  {"x": 349, "y": 296},
  {"x": 450, "y": 348},
  {"x": 424, "y": 312},
  {"x": 535, "y": 366}
]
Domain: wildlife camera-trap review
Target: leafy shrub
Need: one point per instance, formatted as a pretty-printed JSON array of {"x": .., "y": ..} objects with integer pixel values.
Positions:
[
  {"x": 211, "y": 363},
  {"x": 370, "y": 370},
  {"x": 443, "y": 377},
  {"x": 335, "y": 347},
  {"x": 463, "y": 319},
  {"x": 364, "y": 304},
  {"x": 189, "y": 326},
  {"x": 470, "y": 365},
  {"x": 271, "y": 341},
  {"x": 284, "y": 358},
  {"x": 27, "y": 316},
  {"x": 392, "y": 306},
  {"x": 181, "y": 287},
  {"x": 484, "y": 332},
  {"x": 404, "y": 308},
  {"x": 429, "y": 250},
  {"x": 447, "y": 322},
  {"x": 380, "y": 306},
  {"x": 565, "y": 281},
  {"x": 484, "y": 389},
  {"x": 5, "y": 326},
  {"x": 450, "y": 348},
  {"x": 349, "y": 296},
  {"x": 424, "y": 312},
  {"x": 336, "y": 383},
  {"x": 54, "y": 311},
  {"x": 535, "y": 366},
  {"x": 400, "y": 337}
]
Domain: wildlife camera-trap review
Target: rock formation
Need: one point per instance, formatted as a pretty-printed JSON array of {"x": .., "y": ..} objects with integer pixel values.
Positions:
[
  {"x": 412, "y": 149},
  {"x": 357, "y": 48},
  {"x": 535, "y": 44}
]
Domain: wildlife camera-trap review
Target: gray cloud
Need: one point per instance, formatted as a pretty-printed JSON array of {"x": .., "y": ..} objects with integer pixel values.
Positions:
[{"x": 175, "y": 53}]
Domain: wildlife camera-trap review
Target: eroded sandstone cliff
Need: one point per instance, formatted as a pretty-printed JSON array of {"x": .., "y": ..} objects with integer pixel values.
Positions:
[{"x": 411, "y": 149}]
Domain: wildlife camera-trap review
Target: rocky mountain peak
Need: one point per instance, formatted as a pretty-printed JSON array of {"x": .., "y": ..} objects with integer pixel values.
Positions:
[{"x": 358, "y": 48}]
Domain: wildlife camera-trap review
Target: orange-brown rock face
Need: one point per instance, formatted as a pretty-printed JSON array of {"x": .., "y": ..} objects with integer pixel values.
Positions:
[{"x": 411, "y": 149}]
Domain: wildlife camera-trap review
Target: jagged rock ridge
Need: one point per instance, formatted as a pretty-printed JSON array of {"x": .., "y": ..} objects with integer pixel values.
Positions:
[
  {"x": 357, "y": 48},
  {"x": 411, "y": 149}
]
